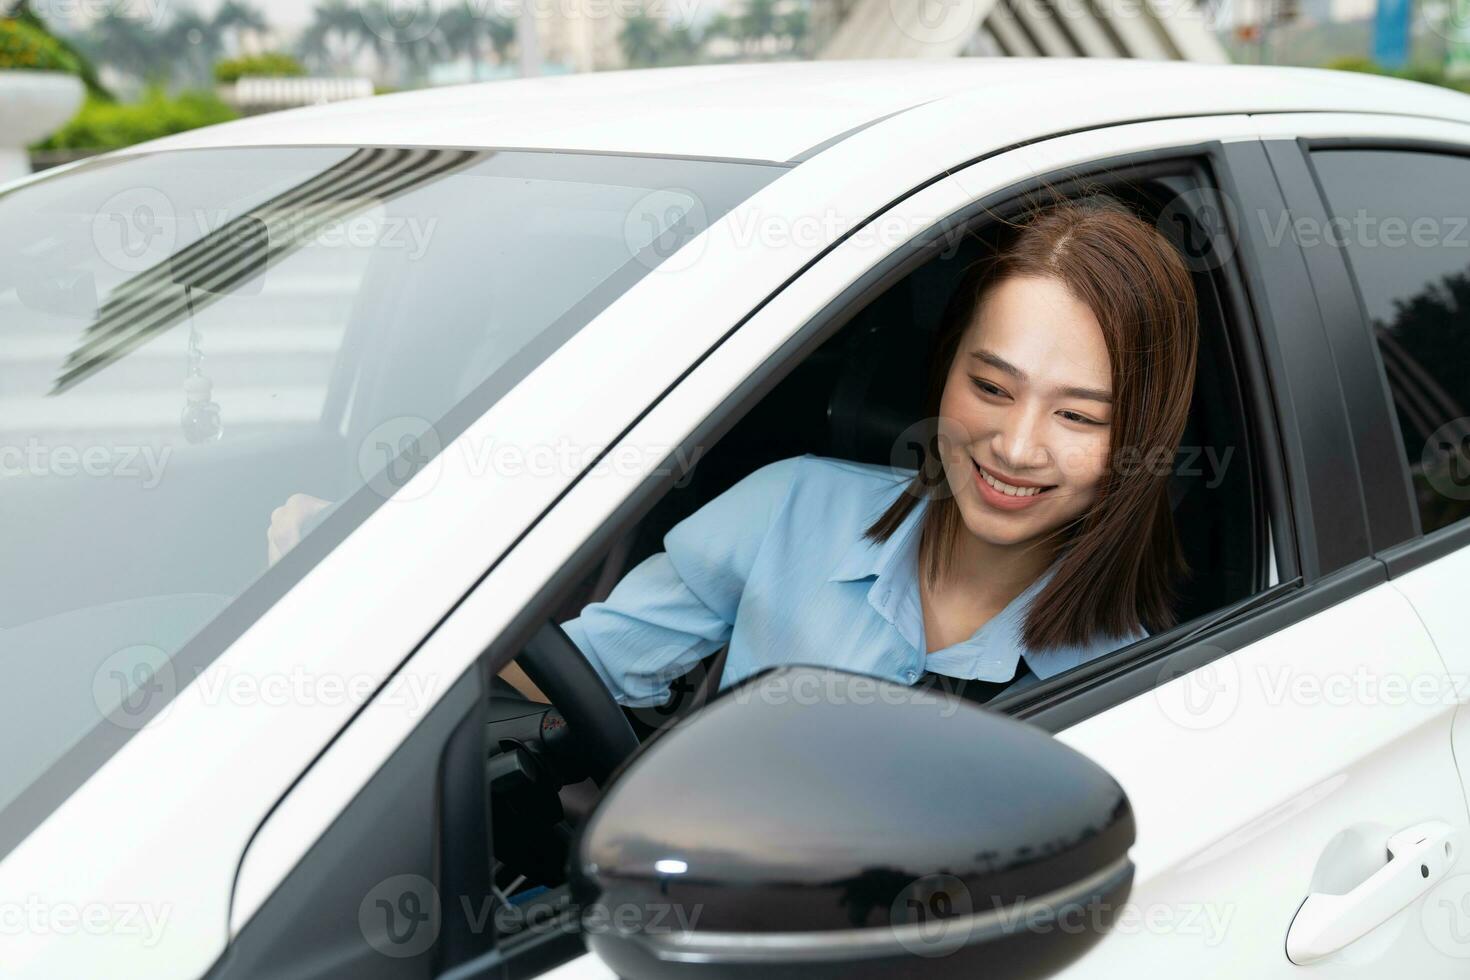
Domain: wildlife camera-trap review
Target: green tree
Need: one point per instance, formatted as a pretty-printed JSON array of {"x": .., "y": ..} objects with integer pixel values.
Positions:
[
  {"x": 641, "y": 40},
  {"x": 502, "y": 36},
  {"x": 757, "y": 22},
  {"x": 237, "y": 19},
  {"x": 682, "y": 45},
  {"x": 795, "y": 24},
  {"x": 335, "y": 36},
  {"x": 126, "y": 44},
  {"x": 466, "y": 32},
  {"x": 416, "y": 53},
  {"x": 191, "y": 44}
]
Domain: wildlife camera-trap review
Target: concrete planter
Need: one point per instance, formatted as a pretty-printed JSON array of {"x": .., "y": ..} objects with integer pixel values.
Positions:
[{"x": 32, "y": 104}]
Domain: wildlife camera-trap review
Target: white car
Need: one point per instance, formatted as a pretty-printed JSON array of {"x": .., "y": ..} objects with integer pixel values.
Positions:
[{"x": 517, "y": 330}]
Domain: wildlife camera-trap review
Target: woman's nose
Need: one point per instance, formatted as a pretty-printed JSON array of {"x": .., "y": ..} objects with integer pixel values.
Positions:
[{"x": 1017, "y": 444}]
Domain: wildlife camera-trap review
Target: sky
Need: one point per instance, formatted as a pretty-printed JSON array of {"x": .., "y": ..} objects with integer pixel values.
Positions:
[
  {"x": 283, "y": 13},
  {"x": 289, "y": 16}
]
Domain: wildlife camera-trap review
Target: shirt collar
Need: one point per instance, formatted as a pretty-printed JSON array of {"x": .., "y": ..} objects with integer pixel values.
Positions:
[
  {"x": 868, "y": 557},
  {"x": 992, "y": 653}
]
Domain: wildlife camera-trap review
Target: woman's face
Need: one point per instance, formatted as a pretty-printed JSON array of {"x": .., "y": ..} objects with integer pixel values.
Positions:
[{"x": 1026, "y": 412}]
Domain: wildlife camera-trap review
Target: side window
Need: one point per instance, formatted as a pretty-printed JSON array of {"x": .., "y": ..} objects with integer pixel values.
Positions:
[
  {"x": 859, "y": 397},
  {"x": 855, "y": 396},
  {"x": 1402, "y": 219}
]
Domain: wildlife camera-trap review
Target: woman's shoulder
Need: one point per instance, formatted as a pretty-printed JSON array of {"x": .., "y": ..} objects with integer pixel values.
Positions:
[
  {"x": 841, "y": 491},
  {"x": 827, "y": 478},
  {"x": 827, "y": 472},
  {"x": 852, "y": 471},
  {"x": 808, "y": 486}
]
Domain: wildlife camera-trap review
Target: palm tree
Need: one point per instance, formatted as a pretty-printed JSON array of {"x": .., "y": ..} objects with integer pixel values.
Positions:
[
  {"x": 681, "y": 45},
  {"x": 376, "y": 26},
  {"x": 417, "y": 52},
  {"x": 795, "y": 24},
  {"x": 191, "y": 45},
  {"x": 641, "y": 40},
  {"x": 336, "y": 35},
  {"x": 237, "y": 18},
  {"x": 464, "y": 33},
  {"x": 126, "y": 44},
  {"x": 721, "y": 25},
  {"x": 502, "y": 31},
  {"x": 758, "y": 21}
]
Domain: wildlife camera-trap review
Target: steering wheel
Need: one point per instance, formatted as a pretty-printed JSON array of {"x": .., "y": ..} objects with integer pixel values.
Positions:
[{"x": 535, "y": 750}]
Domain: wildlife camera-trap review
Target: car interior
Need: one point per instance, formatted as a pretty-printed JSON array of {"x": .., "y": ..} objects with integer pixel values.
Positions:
[
  {"x": 851, "y": 399},
  {"x": 854, "y": 396}
]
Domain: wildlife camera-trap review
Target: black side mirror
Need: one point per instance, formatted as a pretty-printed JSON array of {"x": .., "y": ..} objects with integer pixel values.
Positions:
[{"x": 814, "y": 823}]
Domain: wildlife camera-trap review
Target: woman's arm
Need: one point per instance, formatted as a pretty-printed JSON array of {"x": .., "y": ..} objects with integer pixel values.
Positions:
[
  {"x": 670, "y": 611},
  {"x": 678, "y": 606}
]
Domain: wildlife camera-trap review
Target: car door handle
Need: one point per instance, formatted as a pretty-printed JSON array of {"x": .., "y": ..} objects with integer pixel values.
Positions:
[{"x": 1419, "y": 858}]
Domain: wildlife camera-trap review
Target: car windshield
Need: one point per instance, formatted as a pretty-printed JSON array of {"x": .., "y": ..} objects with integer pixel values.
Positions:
[{"x": 193, "y": 336}]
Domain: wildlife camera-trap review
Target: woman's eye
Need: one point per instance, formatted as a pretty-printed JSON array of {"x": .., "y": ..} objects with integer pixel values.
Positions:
[
  {"x": 987, "y": 387},
  {"x": 1075, "y": 417}
]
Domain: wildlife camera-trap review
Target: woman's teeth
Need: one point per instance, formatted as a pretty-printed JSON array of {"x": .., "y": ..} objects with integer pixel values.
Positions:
[{"x": 1006, "y": 488}]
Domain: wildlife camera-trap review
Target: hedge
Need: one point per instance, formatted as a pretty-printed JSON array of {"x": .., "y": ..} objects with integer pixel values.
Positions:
[{"x": 101, "y": 125}]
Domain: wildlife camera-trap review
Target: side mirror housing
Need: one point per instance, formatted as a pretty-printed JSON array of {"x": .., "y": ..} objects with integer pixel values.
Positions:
[{"x": 814, "y": 823}]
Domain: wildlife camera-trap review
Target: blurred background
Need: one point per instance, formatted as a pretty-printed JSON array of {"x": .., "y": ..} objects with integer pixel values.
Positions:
[{"x": 137, "y": 69}]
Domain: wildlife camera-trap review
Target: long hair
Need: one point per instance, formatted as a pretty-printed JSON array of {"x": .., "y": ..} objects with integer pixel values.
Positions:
[{"x": 1119, "y": 561}]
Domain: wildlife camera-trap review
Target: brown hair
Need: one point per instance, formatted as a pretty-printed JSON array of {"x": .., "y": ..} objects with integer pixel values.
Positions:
[{"x": 1120, "y": 560}]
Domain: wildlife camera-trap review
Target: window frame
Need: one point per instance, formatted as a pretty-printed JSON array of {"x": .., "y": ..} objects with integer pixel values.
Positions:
[
  {"x": 1397, "y": 532},
  {"x": 1112, "y": 679},
  {"x": 1265, "y": 293}
]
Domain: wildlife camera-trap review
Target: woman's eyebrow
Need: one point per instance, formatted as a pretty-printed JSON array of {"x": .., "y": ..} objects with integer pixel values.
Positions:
[
  {"x": 1071, "y": 391},
  {"x": 1091, "y": 394},
  {"x": 1000, "y": 363}
]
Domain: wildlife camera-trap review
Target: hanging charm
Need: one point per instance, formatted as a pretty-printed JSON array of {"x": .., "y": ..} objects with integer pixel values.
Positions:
[{"x": 201, "y": 418}]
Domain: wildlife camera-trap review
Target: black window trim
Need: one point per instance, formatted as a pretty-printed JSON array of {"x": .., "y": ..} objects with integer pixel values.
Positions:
[
  {"x": 1331, "y": 529},
  {"x": 1399, "y": 551}
]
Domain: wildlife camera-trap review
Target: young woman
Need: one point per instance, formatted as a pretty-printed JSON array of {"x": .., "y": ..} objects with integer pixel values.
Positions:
[{"x": 1035, "y": 534}]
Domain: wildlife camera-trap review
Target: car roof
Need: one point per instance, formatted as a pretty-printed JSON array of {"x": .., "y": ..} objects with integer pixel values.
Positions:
[{"x": 783, "y": 111}]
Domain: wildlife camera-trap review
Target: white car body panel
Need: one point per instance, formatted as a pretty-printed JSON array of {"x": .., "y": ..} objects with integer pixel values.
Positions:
[
  {"x": 185, "y": 796},
  {"x": 777, "y": 111},
  {"x": 1309, "y": 732},
  {"x": 1437, "y": 591}
]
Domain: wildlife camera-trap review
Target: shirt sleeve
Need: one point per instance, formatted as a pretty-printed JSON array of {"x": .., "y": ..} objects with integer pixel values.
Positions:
[{"x": 678, "y": 606}]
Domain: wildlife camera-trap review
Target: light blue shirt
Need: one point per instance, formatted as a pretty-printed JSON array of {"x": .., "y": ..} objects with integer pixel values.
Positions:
[{"x": 778, "y": 568}]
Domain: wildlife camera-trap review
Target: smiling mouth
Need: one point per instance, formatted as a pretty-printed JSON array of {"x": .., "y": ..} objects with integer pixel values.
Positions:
[{"x": 1009, "y": 489}]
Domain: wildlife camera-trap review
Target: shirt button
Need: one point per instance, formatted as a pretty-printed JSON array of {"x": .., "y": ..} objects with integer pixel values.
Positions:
[{"x": 911, "y": 675}]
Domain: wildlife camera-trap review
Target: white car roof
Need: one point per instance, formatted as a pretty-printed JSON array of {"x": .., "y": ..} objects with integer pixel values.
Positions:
[{"x": 784, "y": 110}]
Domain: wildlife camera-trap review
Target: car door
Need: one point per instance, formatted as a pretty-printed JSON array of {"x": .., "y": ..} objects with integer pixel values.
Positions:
[
  {"x": 1270, "y": 753},
  {"x": 1288, "y": 778},
  {"x": 1252, "y": 787},
  {"x": 1407, "y": 256}
]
